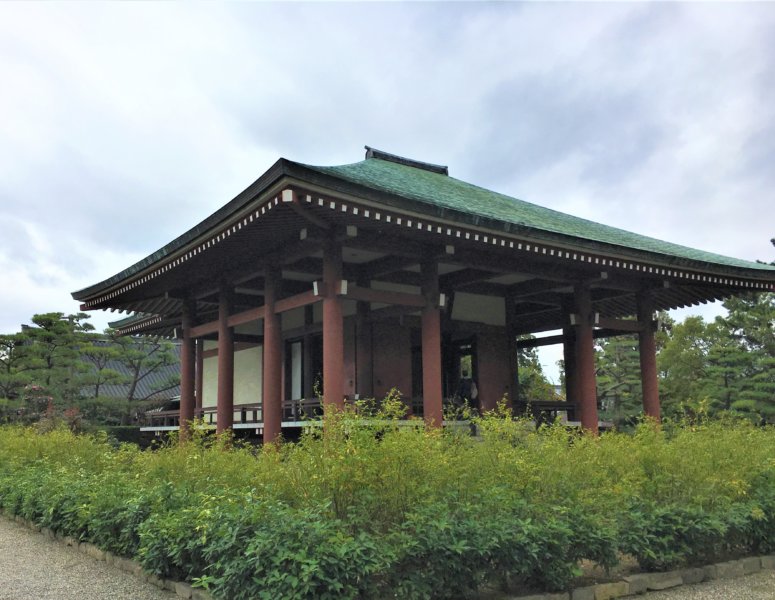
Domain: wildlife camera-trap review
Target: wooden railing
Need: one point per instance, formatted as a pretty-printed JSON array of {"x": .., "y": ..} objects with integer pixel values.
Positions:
[
  {"x": 293, "y": 410},
  {"x": 546, "y": 410},
  {"x": 310, "y": 408}
]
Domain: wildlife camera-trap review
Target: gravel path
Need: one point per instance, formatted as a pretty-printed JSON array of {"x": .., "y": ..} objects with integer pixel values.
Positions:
[
  {"x": 33, "y": 567},
  {"x": 759, "y": 586}
]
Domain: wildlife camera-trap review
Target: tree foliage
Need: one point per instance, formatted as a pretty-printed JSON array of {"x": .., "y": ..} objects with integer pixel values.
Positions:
[
  {"x": 59, "y": 365},
  {"x": 533, "y": 384},
  {"x": 618, "y": 377},
  {"x": 727, "y": 364}
]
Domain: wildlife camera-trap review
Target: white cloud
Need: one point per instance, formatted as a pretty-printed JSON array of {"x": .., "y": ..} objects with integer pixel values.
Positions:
[{"x": 124, "y": 124}]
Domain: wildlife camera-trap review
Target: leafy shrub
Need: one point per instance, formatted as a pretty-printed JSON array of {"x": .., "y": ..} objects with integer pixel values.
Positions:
[{"x": 369, "y": 506}]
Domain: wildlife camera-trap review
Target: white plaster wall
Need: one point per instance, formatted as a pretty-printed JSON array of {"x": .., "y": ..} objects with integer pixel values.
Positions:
[
  {"x": 248, "y": 376},
  {"x": 210, "y": 376}
]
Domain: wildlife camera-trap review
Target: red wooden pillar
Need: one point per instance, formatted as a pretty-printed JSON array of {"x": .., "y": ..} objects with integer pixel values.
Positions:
[
  {"x": 569, "y": 360},
  {"x": 431, "y": 345},
  {"x": 273, "y": 359},
  {"x": 225, "y": 408},
  {"x": 585, "y": 360},
  {"x": 572, "y": 393},
  {"x": 333, "y": 327},
  {"x": 199, "y": 385},
  {"x": 513, "y": 358},
  {"x": 308, "y": 377},
  {"x": 364, "y": 372},
  {"x": 187, "y": 363},
  {"x": 648, "y": 356}
]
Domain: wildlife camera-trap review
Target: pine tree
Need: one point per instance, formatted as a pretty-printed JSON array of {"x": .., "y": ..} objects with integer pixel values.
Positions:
[{"x": 618, "y": 378}]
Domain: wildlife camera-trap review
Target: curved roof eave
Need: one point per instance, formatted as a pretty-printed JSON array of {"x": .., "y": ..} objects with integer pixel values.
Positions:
[{"x": 410, "y": 188}]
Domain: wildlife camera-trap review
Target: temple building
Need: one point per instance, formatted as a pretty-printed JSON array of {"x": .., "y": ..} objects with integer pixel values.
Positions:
[{"x": 349, "y": 281}]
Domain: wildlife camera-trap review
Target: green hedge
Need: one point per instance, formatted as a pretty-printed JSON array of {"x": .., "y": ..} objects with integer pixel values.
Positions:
[{"x": 376, "y": 509}]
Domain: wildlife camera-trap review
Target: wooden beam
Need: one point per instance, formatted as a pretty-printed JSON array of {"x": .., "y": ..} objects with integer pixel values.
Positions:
[
  {"x": 246, "y": 316},
  {"x": 246, "y": 338},
  {"x": 384, "y": 296},
  {"x": 549, "y": 340},
  {"x": 533, "y": 287},
  {"x": 619, "y": 324},
  {"x": 296, "y": 301},
  {"x": 238, "y": 346},
  {"x": 204, "y": 329}
]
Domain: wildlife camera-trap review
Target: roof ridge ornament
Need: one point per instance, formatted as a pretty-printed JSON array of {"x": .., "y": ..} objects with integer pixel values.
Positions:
[{"x": 417, "y": 164}]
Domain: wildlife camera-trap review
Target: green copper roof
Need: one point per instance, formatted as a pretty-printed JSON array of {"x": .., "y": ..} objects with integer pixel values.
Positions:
[
  {"x": 411, "y": 185},
  {"x": 441, "y": 191}
]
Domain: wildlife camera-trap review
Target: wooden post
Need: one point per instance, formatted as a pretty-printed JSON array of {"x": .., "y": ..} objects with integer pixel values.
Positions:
[
  {"x": 569, "y": 359},
  {"x": 225, "y": 407},
  {"x": 647, "y": 348},
  {"x": 273, "y": 359},
  {"x": 431, "y": 345},
  {"x": 364, "y": 372},
  {"x": 199, "y": 385},
  {"x": 585, "y": 360},
  {"x": 187, "y": 363},
  {"x": 513, "y": 358},
  {"x": 333, "y": 327},
  {"x": 308, "y": 375}
]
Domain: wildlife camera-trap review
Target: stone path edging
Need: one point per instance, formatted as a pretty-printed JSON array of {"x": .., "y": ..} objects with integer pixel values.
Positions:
[
  {"x": 646, "y": 582},
  {"x": 628, "y": 586},
  {"x": 181, "y": 589}
]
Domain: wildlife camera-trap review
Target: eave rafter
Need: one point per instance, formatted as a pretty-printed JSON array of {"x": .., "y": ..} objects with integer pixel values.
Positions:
[{"x": 408, "y": 237}]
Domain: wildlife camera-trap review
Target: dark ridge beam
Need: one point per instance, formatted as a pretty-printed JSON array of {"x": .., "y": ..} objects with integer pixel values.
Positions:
[
  {"x": 552, "y": 340},
  {"x": 245, "y": 338},
  {"x": 401, "y": 277},
  {"x": 549, "y": 340},
  {"x": 545, "y": 298},
  {"x": 529, "y": 328},
  {"x": 533, "y": 287},
  {"x": 620, "y": 324},
  {"x": 464, "y": 277}
]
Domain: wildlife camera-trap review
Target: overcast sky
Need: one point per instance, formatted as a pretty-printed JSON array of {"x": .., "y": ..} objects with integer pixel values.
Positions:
[{"x": 122, "y": 125}]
